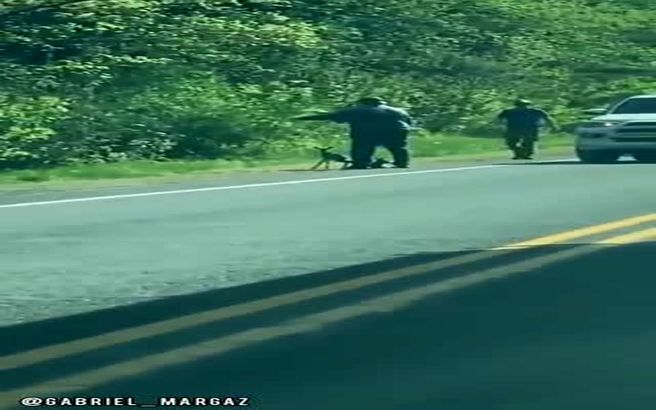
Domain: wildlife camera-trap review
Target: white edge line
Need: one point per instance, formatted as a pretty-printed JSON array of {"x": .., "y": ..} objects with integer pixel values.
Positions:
[
  {"x": 233, "y": 187},
  {"x": 258, "y": 185}
]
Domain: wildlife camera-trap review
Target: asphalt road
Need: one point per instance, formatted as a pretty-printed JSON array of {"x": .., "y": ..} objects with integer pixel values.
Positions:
[{"x": 364, "y": 290}]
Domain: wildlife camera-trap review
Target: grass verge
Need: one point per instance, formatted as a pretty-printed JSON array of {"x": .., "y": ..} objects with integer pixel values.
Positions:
[{"x": 425, "y": 149}]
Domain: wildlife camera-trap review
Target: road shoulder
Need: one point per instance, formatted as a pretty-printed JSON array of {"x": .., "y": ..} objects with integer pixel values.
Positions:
[{"x": 65, "y": 189}]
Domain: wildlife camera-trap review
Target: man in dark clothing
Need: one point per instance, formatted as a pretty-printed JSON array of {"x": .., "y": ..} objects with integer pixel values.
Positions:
[
  {"x": 523, "y": 127},
  {"x": 373, "y": 123}
]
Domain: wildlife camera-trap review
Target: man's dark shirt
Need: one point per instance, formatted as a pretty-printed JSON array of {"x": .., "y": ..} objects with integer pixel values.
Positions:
[
  {"x": 370, "y": 120},
  {"x": 523, "y": 119}
]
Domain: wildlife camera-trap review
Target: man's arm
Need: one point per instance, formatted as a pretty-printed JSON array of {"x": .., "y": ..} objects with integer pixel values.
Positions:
[
  {"x": 406, "y": 118},
  {"x": 315, "y": 117},
  {"x": 550, "y": 121},
  {"x": 500, "y": 119},
  {"x": 341, "y": 116}
]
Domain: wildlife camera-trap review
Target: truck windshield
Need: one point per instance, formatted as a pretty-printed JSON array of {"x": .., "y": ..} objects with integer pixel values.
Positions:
[{"x": 637, "y": 106}]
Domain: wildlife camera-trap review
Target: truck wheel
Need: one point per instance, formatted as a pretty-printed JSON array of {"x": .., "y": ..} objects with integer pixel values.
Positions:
[
  {"x": 597, "y": 157},
  {"x": 649, "y": 156}
]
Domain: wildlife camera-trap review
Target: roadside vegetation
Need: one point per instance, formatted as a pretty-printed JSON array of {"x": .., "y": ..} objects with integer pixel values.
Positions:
[
  {"x": 168, "y": 84},
  {"x": 426, "y": 150}
]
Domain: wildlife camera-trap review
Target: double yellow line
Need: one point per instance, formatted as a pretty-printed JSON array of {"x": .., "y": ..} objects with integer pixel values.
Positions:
[{"x": 87, "y": 379}]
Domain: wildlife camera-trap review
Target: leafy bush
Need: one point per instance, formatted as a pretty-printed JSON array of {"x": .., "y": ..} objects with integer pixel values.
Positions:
[{"x": 113, "y": 80}]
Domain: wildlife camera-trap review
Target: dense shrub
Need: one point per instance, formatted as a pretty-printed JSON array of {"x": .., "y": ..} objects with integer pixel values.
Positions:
[{"x": 90, "y": 81}]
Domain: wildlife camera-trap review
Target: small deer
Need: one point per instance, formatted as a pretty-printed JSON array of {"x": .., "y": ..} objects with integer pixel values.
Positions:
[{"x": 327, "y": 157}]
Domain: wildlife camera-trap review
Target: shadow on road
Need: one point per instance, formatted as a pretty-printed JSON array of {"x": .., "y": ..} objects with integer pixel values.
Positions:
[
  {"x": 338, "y": 169},
  {"x": 312, "y": 170},
  {"x": 575, "y": 334}
]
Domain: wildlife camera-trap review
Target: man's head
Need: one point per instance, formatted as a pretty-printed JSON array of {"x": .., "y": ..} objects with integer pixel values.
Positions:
[
  {"x": 371, "y": 101},
  {"x": 522, "y": 103}
]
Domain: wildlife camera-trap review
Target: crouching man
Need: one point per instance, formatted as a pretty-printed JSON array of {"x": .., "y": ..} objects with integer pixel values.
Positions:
[{"x": 373, "y": 123}]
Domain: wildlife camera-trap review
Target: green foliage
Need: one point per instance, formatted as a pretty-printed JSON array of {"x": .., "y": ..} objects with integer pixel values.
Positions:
[
  {"x": 110, "y": 80},
  {"x": 26, "y": 129}
]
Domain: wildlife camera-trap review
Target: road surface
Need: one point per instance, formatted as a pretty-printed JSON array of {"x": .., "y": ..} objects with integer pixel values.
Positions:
[{"x": 501, "y": 286}]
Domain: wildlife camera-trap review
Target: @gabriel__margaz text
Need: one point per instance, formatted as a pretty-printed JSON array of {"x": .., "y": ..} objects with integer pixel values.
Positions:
[{"x": 133, "y": 402}]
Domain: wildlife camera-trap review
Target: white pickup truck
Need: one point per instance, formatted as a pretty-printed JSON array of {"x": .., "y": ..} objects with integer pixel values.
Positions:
[{"x": 626, "y": 128}]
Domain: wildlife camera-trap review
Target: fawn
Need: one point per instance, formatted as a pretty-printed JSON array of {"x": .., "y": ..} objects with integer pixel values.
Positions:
[{"x": 327, "y": 157}]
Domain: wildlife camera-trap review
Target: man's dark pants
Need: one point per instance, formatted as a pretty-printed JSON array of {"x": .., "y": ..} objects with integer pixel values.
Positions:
[
  {"x": 522, "y": 142},
  {"x": 364, "y": 146}
]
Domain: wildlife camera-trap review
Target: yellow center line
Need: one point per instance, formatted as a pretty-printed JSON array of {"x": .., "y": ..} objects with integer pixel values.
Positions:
[
  {"x": 582, "y": 232},
  {"x": 632, "y": 237},
  {"x": 87, "y": 344},
  {"x": 129, "y": 368}
]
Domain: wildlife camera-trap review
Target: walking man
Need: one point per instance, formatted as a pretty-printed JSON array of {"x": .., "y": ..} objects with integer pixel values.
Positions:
[
  {"x": 373, "y": 123},
  {"x": 523, "y": 127}
]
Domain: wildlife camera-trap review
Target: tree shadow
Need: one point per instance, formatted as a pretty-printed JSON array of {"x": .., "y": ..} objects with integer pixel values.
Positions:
[{"x": 552, "y": 302}]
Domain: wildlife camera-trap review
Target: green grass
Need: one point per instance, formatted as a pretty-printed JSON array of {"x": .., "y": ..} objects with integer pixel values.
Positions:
[{"x": 424, "y": 149}]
